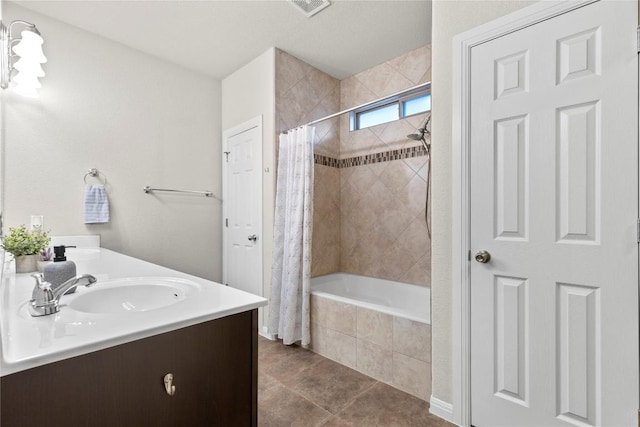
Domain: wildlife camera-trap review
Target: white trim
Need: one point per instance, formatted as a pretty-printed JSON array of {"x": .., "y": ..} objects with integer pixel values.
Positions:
[
  {"x": 263, "y": 332},
  {"x": 460, "y": 274},
  {"x": 441, "y": 409},
  {"x": 256, "y": 122}
]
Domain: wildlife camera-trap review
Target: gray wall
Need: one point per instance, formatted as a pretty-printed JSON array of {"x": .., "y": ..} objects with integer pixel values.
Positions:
[
  {"x": 248, "y": 93},
  {"x": 140, "y": 121}
]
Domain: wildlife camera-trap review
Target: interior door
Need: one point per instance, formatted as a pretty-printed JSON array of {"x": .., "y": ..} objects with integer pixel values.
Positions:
[
  {"x": 554, "y": 205},
  {"x": 242, "y": 252}
]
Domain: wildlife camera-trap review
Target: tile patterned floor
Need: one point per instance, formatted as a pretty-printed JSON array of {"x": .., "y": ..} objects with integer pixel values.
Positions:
[{"x": 297, "y": 387}]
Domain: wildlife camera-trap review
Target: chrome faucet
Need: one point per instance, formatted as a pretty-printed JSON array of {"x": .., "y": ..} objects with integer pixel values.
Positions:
[{"x": 44, "y": 300}]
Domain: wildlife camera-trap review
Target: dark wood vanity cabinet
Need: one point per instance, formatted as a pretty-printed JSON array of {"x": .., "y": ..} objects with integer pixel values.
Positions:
[{"x": 214, "y": 365}]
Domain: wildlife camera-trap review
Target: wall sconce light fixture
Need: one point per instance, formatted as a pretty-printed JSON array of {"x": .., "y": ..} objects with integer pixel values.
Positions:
[{"x": 28, "y": 48}]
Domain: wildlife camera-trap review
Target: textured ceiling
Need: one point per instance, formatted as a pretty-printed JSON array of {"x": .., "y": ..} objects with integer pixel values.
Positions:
[{"x": 218, "y": 37}]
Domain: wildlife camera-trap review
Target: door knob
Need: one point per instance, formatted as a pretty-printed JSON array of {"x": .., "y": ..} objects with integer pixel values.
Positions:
[
  {"x": 483, "y": 257},
  {"x": 253, "y": 238}
]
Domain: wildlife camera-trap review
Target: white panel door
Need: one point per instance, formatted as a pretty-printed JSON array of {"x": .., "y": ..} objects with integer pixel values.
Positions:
[
  {"x": 554, "y": 201},
  {"x": 242, "y": 266}
]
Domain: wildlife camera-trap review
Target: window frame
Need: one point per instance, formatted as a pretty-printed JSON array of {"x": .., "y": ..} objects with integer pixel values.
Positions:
[{"x": 397, "y": 100}]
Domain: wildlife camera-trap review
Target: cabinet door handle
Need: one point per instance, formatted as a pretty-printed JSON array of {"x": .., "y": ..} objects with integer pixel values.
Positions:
[{"x": 168, "y": 384}]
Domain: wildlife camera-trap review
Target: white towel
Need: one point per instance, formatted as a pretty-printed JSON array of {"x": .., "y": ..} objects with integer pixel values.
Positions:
[{"x": 96, "y": 205}]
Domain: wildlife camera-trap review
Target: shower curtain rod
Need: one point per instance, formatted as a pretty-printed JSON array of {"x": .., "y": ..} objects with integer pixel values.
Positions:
[{"x": 331, "y": 116}]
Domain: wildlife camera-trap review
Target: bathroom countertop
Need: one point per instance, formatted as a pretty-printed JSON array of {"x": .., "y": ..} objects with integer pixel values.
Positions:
[{"x": 29, "y": 341}]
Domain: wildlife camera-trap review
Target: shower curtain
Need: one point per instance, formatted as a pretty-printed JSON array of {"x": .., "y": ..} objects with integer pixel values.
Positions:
[{"x": 293, "y": 225}]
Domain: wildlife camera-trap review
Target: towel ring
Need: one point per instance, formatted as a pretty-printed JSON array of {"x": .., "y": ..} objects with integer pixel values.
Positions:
[{"x": 95, "y": 173}]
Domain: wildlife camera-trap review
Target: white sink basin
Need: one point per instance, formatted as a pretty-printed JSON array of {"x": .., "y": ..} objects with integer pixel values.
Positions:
[{"x": 131, "y": 295}]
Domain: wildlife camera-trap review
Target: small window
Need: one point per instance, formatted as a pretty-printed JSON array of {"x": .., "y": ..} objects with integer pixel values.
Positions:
[
  {"x": 394, "y": 108},
  {"x": 385, "y": 114},
  {"x": 417, "y": 105}
]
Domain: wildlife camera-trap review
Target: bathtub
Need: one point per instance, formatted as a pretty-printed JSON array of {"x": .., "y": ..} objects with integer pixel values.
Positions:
[
  {"x": 398, "y": 299},
  {"x": 378, "y": 327}
]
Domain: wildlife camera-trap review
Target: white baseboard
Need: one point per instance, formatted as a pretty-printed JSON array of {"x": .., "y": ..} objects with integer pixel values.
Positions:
[
  {"x": 264, "y": 333},
  {"x": 441, "y": 409}
]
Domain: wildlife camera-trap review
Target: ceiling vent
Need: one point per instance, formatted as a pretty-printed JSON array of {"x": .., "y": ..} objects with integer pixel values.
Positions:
[{"x": 310, "y": 7}]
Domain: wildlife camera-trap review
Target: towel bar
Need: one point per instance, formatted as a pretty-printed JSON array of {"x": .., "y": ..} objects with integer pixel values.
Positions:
[{"x": 148, "y": 190}]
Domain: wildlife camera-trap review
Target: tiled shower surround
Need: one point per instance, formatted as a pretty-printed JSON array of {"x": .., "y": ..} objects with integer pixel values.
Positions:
[
  {"x": 369, "y": 212},
  {"x": 369, "y": 193}
]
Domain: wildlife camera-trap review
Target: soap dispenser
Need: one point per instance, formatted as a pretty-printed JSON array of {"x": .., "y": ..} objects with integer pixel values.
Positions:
[{"x": 60, "y": 270}]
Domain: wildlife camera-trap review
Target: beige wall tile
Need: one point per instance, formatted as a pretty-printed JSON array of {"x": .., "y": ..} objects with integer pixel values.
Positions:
[
  {"x": 420, "y": 272},
  {"x": 418, "y": 120},
  {"x": 357, "y": 143},
  {"x": 395, "y": 220},
  {"x": 383, "y": 80},
  {"x": 353, "y": 92},
  {"x": 341, "y": 317},
  {"x": 395, "y": 134},
  {"x": 415, "y": 195},
  {"x": 378, "y": 198},
  {"x": 364, "y": 258},
  {"x": 289, "y": 71},
  {"x": 412, "y": 339},
  {"x": 378, "y": 168},
  {"x": 345, "y": 176},
  {"x": 374, "y": 361},
  {"x": 415, "y": 240},
  {"x": 378, "y": 240},
  {"x": 416, "y": 163},
  {"x": 318, "y": 338},
  {"x": 376, "y": 78},
  {"x": 401, "y": 263},
  {"x": 349, "y": 236},
  {"x": 340, "y": 347},
  {"x": 326, "y": 223},
  {"x": 424, "y": 170},
  {"x": 375, "y": 327},
  {"x": 318, "y": 308},
  {"x": 379, "y": 129},
  {"x": 412, "y": 375},
  {"x": 414, "y": 64},
  {"x": 363, "y": 178},
  {"x": 336, "y": 315},
  {"x": 396, "y": 176},
  {"x": 304, "y": 93}
]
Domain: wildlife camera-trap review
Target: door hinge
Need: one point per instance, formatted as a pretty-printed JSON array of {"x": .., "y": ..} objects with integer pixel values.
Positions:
[
  {"x": 638, "y": 230},
  {"x": 638, "y": 39},
  {"x": 226, "y": 222},
  {"x": 226, "y": 153},
  {"x": 469, "y": 256}
]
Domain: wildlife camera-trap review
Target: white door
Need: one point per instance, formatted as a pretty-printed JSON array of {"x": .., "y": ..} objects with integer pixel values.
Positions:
[
  {"x": 242, "y": 213},
  {"x": 554, "y": 201}
]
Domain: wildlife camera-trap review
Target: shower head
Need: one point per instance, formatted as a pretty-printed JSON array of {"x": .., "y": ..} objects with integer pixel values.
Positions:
[{"x": 419, "y": 136}]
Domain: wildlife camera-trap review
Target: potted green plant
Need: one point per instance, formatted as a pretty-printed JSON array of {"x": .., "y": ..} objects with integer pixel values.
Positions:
[{"x": 25, "y": 246}]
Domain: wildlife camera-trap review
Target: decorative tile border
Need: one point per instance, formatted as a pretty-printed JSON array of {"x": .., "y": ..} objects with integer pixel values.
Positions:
[
  {"x": 403, "y": 153},
  {"x": 319, "y": 159}
]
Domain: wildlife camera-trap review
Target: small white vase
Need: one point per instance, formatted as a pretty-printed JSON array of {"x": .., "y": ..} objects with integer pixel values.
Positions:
[{"x": 26, "y": 263}]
